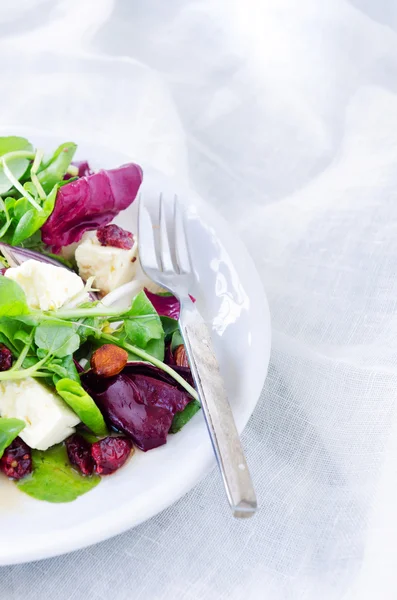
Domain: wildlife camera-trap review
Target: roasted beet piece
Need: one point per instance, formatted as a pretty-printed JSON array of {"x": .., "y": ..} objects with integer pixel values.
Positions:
[
  {"x": 115, "y": 236},
  {"x": 110, "y": 454},
  {"x": 141, "y": 402},
  {"x": 5, "y": 358},
  {"x": 79, "y": 453},
  {"x": 16, "y": 461}
]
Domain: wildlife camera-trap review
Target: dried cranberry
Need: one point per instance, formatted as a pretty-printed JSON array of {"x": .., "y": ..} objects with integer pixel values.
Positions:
[
  {"x": 5, "y": 358},
  {"x": 79, "y": 453},
  {"x": 113, "y": 235},
  {"x": 16, "y": 461},
  {"x": 110, "y": 454}
]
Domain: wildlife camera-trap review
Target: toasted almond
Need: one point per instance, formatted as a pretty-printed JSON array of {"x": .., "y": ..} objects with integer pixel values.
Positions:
[
  {"x": 108, "y": 360},
  {"x": 180, "y": 356}
]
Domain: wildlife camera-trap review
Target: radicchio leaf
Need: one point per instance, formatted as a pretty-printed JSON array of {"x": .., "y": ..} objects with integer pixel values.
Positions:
[
  {"x": 141, "y": 402},
  {"x": 166, "y": 306},
  {"x": 90, "y": 202},
  {"x": 83, "y": 167}
]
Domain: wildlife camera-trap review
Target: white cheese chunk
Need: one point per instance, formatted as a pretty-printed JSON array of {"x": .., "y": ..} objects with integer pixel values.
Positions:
[
  {"x": 111, "y": 267},
  {"x": 48, "y": 419},
  {"x": 47, "y": 286}
]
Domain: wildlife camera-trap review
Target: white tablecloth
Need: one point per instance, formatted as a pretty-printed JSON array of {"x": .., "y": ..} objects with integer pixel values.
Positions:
[{"x": 284, "y": 117}]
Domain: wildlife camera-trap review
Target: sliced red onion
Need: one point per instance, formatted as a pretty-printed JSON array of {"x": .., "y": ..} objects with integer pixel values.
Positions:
[{"x": 16, "y": 256}]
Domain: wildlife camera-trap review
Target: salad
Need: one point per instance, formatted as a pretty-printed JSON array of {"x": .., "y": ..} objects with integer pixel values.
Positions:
[{"x": 83, "y": 385}]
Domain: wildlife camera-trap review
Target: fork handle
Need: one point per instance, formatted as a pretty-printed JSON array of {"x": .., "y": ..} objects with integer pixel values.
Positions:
[{"x": 217, "y": 412}]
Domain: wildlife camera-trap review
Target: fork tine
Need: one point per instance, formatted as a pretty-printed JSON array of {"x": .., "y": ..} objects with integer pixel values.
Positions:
[
  {"x": 182, "y": 253},
  {"x": 166, "y": 251},
  {"x": 146, "y": 238}
]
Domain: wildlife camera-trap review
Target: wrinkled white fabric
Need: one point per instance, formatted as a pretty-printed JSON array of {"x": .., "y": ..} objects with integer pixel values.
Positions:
[{"x": 283, "y": 114}]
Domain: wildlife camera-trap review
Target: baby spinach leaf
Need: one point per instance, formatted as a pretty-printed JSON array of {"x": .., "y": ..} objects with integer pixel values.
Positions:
[
  {"x": 156, "y": 348},
  {"x": 181, "y": 418},
  {"x": 12, "y": 299},
  {"x": 58, "y": 340},
  {"x": 87, "y": 328},
  {"x": 8, "y": 334},
  {"x": 67, "y": 367},
  {"x": 29, "y": 361},
  {"x": 169, "y": 325},
  {"x": 16, "y": 165},
  {"x": 22, "y": 335},
  {"x": 26, "y": 226},
  {"x": 176, "y": 340},
  {"x": 56, "y": 168},
  {"x": 141, "y": 330},
  {"x": 34, "y": 243},
  {"x": 9, "y": 430},
  {"x": 53, "y": 479},
  {"x": 30, "y": 219},
  {"x": 5, "y": 219},
  {"x": 82, "y": 404}
]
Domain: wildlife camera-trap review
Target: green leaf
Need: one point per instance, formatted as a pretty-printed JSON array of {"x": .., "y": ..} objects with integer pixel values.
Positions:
[
  {"x": 58, "y": 340},
  {"x": 176, "y": 340},
  {"x": 53, "y": 479},
  {"x": 22, "y": 335},
  {"x": 169, "y": 325},
  {"x": 56, "y": 168},
  {"x": 87, "y": 328},
  {"x": 67, "y": 363},
  {"x": 83, "y": 405},
  {"x": 9, "y": 430},
  {"x": 5, "y": 217},
  {"x": 181, "y": 418},
  {"x": 26, "y": 227},
  {"x": 34, "y": 243},
  {"x": 29, "y": 361},
  {"x": 156, "y": 349},
  {"x": 8, "y": 331},
  {"x": 17, "y": 166},
  {"x": 59, "y": 371},
  {"x": 141, "y": 330},
  {"x": 12, "y": 299},
  {"x": 30, "y": 219}
]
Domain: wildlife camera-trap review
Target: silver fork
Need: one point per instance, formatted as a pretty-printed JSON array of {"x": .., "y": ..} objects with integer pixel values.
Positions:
[{"x": 165, "y": 258}]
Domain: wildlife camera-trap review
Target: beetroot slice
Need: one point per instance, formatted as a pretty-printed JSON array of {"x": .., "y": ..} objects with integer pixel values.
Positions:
[{"x": 141, "y": 402}]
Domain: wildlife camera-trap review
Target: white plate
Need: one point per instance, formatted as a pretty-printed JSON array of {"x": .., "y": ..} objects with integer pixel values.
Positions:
[{"x": 230, "y": 295}]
